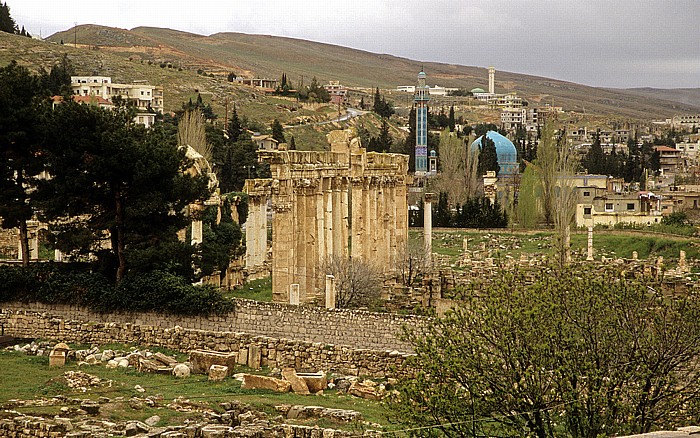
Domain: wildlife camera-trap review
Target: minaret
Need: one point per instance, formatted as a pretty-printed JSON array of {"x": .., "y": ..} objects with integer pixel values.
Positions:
[
  {"x": 492, "y": 78},
  {"x": 421, "y": 99}
]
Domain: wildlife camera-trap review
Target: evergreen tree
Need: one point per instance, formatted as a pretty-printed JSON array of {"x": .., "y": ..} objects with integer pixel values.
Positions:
[
  {"x": 292, "y": 144},
  {"x": 113, "y": 177},
  {"x": 594, "y": 160},
  {"x": 381, "y": 106},
  {"x": 442, "y": 217},
  {"x": 20, "y": 148},
  {"x": 383, "y": 142},
  {"x": 57, "y": 81},
  {"x": 278, "y": 131},
  {"x": 235, "y": 129},
  {"x": 7, "y": 23},
  {"x": 488, "y": 158},
  {"x": 451, "y": 119}
]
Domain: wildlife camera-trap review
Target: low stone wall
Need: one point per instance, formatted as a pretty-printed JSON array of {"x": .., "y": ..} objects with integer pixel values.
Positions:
[
  {"x": 273, "y": 352},
  {"x": 21, "y": 426},
  {"x": 351, "y": 328}
]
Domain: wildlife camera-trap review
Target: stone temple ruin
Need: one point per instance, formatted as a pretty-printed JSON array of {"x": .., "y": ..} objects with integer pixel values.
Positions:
[{"x": 345, "y": 202}]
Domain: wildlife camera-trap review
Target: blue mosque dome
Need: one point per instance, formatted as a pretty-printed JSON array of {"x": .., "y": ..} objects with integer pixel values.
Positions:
[{"x": 505, "y": 151}]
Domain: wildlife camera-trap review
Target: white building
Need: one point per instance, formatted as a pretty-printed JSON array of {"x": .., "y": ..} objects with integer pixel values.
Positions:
[{"x": 147, "y": 99}]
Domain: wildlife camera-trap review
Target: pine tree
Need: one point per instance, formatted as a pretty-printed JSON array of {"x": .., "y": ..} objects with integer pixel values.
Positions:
[
  {"x": 234, "y": 127},
  {"x": 7, "y": 23},
  {"x": 20, "y": 148},
  {"x": 594, "y": 160},
  {"x": 451, "y": 119},
  {"x": 292, "y": 144},
  {"x": 488, "y": 158},
  {"x": 278, "y": 131}
]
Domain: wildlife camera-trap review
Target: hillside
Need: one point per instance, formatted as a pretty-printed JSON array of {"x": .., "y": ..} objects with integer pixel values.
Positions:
[
  {"x": 688, "y": 96},
  {"x": 269, "y": 56}
]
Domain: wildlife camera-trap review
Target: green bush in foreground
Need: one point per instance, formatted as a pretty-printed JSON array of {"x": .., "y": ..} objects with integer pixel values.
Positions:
[
  {"x": 576, "y": 353},
  {"x": 155, "y": 291}
]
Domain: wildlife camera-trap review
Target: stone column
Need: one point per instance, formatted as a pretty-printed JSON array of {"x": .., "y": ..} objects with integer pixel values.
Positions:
[
  {"x": 391, "y": 225},
  {"x": 294, "y": 294},
  {"x": 358, "y": 214},
  {"x": 283, "y": 248},
  {"x": 19, "y": 250},
  {"x": 301, "y": 234},
  {"x": 590, "y": 244},
  {"x": 328, "y": 222},
  {"x": 428, "y": 227},
  {"x": 320, "y": 215},
  {"x": 250, "y": 230},
  {"x": 367, "y": 215},
  {"x": 401, "y": 231},
  {"x": 345, "y": 188},
  {"x": 196, "y": 232},
  {"x": 336, "y": 207},
  {"x": 330, "y": 292},
  {"x": 57, "y": 255},
  {"x": 261, "y": 233},
  {"x": 34, "y": 245}
]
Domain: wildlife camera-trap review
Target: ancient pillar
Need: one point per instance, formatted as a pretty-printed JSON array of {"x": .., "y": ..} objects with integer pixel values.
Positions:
[
  {"x": 682, "y": 266},
  {"x": 635, "y": 256},
  {"x": 337, "y": 219},
  {"x": 196, "y": 232},
  {"x": 391, "y": 224},
  {"x": 330, "y": 292},
  {"x": 303, "y": 235},
  {"x": 328, "y": 222},
  {"x": 34, "y": 245},
  {"x": 367, "y": 215},
  {"x": 261, "y": 233},
  {"x": 57, "y": 255},
  {"x": 320, "y": 215},
  {"x": 590, "y": 244},
  {"x": 294, "y": 294},
  {"x": 283, "y": 238},
  {"x": 357, "y": 218},
  {"x": 345, "y": 188},
  {"x": 428, "y": 227},
  {"x": 250, "y": 229}
]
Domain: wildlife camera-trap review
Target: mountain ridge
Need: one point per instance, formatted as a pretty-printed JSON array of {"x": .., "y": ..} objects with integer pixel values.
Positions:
[{"x": 270, "y": 56}]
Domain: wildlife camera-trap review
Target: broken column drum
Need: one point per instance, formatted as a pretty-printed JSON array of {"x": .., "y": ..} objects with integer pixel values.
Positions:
[{"x": 338, "y": 203}]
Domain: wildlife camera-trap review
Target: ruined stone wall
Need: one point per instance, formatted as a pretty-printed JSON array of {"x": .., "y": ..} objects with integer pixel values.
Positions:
[
  {"x": 27, "y": 426},
  {"x": 349, "y": 328},
  {"x": 46, "y": 324}
]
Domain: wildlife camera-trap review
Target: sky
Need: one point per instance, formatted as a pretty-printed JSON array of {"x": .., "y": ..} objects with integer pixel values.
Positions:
[{"x": 606, "y": 43}]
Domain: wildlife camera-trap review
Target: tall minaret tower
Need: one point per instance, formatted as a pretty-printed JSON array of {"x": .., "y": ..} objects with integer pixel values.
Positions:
[
  {"x": 421, "y": 99},
  {"x": 492, "y": 79}
]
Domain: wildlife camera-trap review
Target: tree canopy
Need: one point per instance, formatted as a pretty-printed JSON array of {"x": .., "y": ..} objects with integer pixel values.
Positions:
[
  {"x": 113, "y": 180},
  {"x": 575, "y": 353}
]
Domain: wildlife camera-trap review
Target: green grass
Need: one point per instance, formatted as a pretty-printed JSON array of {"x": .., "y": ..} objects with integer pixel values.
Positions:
[
  {"x": 258, "y": 290},
  {"x": 30, "y": 377},
  {"x": 611, "y": 244}
]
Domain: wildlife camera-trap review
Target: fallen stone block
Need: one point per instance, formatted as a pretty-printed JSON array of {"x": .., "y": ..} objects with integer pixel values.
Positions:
[
  {"x": 316, "y": 382},
  {"x": 202, "y": 360},
  {"x": 165, "y": 360},
  {"x": 298, "y": 385},
  {"x": 218, "y": 373},
  {"x": 365, "y": 391},
  {"x": 252, "y": 381}
]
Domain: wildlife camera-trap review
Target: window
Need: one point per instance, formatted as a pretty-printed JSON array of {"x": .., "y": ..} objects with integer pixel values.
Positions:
[
  {"x": 586, "y": 193},
  {"x": 587, "y": 211},
  {"x": 608, "y": 206},
  {"x": 630, "y": 206}
]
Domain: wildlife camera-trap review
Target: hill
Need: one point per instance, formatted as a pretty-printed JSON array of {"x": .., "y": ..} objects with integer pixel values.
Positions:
[
  {"x": 688, "y": 96},
  {"x": 269, "y": 56}
]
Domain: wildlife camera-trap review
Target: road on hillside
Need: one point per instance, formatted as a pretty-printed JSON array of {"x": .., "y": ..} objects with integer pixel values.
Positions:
[{"x": 350, "y": 113}]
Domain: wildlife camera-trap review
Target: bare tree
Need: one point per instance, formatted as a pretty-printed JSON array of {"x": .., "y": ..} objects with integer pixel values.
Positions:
[
  {"x": 458, "y": 169},
  {"x": 191, "y": 131},
  {"x": 411, "y": 263},
  {"x": 357, "y": 282},
  {"x": 557, "y": 164}
]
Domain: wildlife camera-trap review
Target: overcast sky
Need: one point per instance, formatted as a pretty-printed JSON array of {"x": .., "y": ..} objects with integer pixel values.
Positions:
[{"x": 609, "y": 43}]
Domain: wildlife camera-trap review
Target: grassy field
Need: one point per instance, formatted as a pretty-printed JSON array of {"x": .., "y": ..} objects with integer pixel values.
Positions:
[
  {"x": 31, "y": 378},
  {"x": 611, "y": 244}
]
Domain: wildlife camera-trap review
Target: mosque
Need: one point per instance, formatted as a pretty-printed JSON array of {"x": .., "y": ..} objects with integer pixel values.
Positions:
[{"x": 505, "y": 151}]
